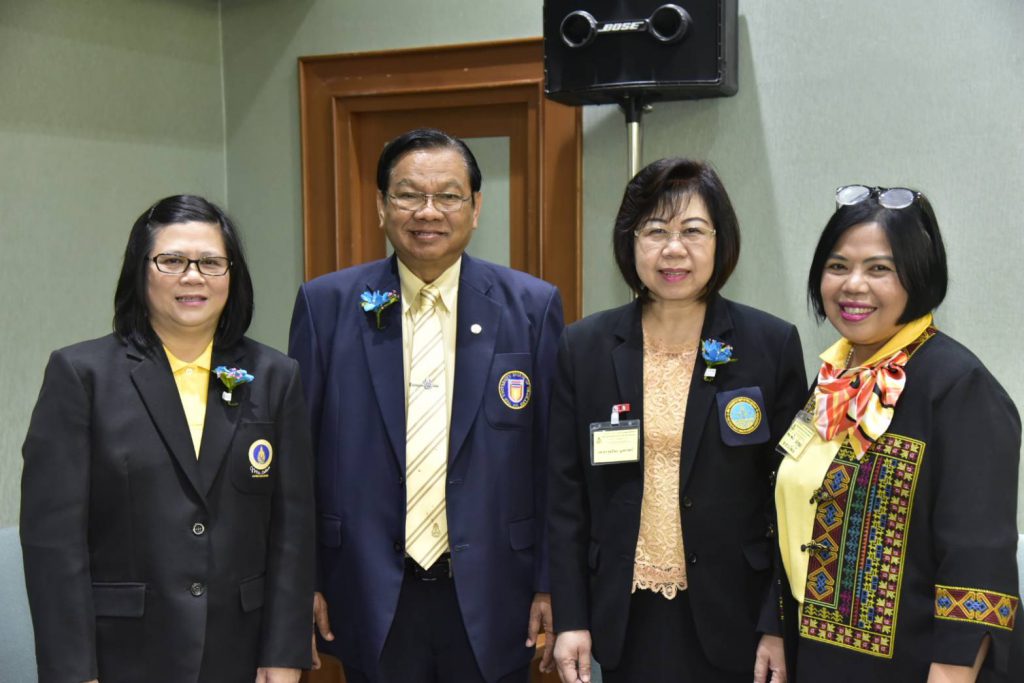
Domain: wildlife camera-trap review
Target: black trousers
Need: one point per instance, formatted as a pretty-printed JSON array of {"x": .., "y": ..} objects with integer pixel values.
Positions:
[
  {"x": 427, "y": 642},
  {"x": 662, "y": 645}
]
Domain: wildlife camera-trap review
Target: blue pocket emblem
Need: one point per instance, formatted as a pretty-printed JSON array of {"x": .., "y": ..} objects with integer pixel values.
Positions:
[
  {"x": 514, "y": 388},
  {"x": 261, "y": 454},
  {"x": 741, "y": 417}
]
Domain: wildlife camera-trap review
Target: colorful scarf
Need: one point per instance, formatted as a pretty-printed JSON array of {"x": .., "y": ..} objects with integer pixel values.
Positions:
[{"x": 860, "y": 403}]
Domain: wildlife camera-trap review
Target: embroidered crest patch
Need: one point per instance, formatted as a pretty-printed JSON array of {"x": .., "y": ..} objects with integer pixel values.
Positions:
[
  {"x": 261, "y": 454},
  {"x": 515, "y": 388},
  {"x": 743, "y": 415}
]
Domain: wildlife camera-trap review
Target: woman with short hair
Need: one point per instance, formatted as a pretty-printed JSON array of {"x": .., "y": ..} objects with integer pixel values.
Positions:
[
  {"x": 897, "y": 496},
  {"x": 664, "y": 418}
]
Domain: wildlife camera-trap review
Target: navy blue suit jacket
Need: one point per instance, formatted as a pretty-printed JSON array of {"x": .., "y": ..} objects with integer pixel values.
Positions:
[{"x": 354, "y": 381}]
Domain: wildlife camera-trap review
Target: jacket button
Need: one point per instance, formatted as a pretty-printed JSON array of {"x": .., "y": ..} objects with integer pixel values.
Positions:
[
  {"x": 198, "y": 528},
  {"x": 398, "y": 547},
  {"x": 687, "y": 503},
  {"x": 197, "y": 589},
  {"x": 770, "y": 533},
  {"x": 692, "y": 558},
  {"x": 401, "y": 480}
]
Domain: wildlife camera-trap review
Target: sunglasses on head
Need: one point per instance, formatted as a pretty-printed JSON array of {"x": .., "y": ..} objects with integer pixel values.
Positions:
[{"x": 888, "y": 197}]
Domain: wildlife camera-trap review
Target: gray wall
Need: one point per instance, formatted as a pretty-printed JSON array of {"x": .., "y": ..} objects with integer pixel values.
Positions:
[
  {"x": 925, "y": 93},
  {"x": 104, "y": 108}
]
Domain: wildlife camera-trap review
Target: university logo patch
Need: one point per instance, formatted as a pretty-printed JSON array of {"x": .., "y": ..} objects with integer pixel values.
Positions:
[
  {"x": 261, "y": 454},
  {"x": 514, "y": 388}
]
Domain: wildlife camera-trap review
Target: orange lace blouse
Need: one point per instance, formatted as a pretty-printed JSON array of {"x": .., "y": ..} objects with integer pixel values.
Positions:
[{"x": 658, "y": 563}]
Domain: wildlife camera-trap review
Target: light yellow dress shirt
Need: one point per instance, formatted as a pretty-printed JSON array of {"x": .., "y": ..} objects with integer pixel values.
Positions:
[
  {"x": 448, "y": 285},
  {"x": 193, "y": 380},
  {"x": 800, "y": 477}
]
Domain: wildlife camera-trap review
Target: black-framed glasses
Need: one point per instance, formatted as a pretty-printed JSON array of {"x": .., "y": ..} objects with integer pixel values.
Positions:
[
  {"x": 888, "y": 197},
  {"x": 445, "y": 202},
  {"x": 176, "y": 264}
]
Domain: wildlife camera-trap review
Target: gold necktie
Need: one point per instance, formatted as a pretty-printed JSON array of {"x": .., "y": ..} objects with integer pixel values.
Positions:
[{"x": 426, "y": 436}]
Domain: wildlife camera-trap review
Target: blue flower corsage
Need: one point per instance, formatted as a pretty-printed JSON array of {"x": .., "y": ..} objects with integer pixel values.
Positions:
[
  {"x": 376, "y": 302},
  {"x": 232, "y": 378},
  {"x": 714, "y": 353}
]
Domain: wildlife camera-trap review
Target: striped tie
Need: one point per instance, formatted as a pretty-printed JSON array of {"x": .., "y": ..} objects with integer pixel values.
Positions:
[{"x": 426, "y": 436}]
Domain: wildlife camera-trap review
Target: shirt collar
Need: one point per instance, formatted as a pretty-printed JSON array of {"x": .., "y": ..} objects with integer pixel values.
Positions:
[
  {"x": 837, "y": 354},
  {"x": 447, "y": 284},
  {"x": 204, "y": 361}
]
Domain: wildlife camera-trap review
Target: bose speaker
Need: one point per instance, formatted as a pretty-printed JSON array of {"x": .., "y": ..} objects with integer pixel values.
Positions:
[{"x": 605, "y": 51}]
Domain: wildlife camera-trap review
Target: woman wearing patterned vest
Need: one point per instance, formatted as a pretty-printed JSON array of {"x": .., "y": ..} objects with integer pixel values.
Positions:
[{"x": 897, "y": 495}]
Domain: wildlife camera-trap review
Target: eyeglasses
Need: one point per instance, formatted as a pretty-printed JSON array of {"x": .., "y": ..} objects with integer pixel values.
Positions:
[
  {"x": 888, "y": 197},
  {"x": 445, "y": 202},
  {"x": 176, "y": 264},
  {"x": 653, "y": 237}
]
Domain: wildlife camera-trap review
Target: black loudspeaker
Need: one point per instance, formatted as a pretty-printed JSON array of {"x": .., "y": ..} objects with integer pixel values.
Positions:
[{"x": 606, "y": 51}]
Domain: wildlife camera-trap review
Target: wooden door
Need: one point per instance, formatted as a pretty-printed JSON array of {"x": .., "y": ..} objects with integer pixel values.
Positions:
[{"x": 353, "y": 103}]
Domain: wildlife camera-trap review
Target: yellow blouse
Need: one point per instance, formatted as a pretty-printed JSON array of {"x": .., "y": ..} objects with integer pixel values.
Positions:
[
  {"x": 193, "y": 380},
  {"x": 800, "y": 476}
]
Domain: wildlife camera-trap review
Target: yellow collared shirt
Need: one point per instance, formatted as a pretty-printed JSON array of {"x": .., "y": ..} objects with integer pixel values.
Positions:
[
  {"x": 193, "y": 380},
  {"x": 799, "y": 478},
  {"x": 448, "y": 285}
]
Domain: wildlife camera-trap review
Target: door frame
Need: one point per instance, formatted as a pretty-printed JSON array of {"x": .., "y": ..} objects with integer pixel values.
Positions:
[{"x": 351, "y": 103}]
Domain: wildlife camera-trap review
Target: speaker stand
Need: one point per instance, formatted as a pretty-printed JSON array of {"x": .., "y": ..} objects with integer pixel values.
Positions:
[{"x": 634, "y": 108}]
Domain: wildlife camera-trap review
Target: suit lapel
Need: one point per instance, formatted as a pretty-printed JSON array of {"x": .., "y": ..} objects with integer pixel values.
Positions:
[
  {"x": 221, "y": 419},
  {"x": 717, "y": 325},
  {"x": 628, "y": 361},
  {"x": 384, "y": 360},
  {"x": 153, "y": 380},
  {"x": 473, "y": 352}
]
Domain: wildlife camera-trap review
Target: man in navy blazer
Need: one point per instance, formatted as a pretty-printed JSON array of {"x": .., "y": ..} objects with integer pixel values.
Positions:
[{"x": 475, "y": 613}]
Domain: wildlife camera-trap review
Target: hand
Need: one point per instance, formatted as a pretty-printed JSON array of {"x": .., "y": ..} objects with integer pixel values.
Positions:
[
  {"x": 572, "y": 656},
  {"x": 276, "y": 674},
  {"x": 770, "y": 660},
  {"x": 540, "y": 618},
  {"x": 322, "y": 623}
]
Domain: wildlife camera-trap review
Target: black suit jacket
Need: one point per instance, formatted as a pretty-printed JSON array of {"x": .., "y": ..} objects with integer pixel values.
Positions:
[
  {"x": 594, "y": 511},
  {"x": 144, "y": 563}
]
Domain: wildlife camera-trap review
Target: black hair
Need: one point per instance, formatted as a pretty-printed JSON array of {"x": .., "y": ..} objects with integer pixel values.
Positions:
[
  {"x": 917, "y": 250},
  {"x": 424, "y": 138},
  {"x": 131, "y": 309},
  {"x": 665, "y": 185}
]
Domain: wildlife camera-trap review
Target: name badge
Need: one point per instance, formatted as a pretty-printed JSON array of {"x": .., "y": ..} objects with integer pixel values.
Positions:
[
  {"x": 800, "y": 432},
  {"x": 614, "y": 444}
]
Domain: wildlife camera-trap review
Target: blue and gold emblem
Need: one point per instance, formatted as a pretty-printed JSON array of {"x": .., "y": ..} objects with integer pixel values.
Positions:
[
  {"x": 743, "y": 415},
  {"x": 261, "y": 454},
  {"x": 514, "y": 387}
]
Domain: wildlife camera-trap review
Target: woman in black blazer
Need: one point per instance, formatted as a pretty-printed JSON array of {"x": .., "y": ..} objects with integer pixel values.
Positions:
[
  {"x": 166, "y": 510},
  {"x": 897, "y": 497},
  {"x": 658, "y": 525}
]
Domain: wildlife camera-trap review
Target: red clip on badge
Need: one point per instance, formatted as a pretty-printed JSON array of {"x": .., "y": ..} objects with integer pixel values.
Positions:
[{"x": 616, "y": 409}]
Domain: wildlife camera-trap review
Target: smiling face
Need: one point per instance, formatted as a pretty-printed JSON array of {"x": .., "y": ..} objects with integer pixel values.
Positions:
[
  {"x": 186, "y": 306},
  {"x": 861, "y": 290},
  {"x": 429, "y": 241},
  {"x": 677, "y": 271}
]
